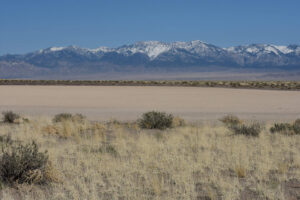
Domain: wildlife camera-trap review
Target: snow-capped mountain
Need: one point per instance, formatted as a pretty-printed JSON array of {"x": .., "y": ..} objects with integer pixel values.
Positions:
[
  {"x": 266, "y": 55},
  {"x": 259, "y": 49},
  {"x": 157, "y": 55}
]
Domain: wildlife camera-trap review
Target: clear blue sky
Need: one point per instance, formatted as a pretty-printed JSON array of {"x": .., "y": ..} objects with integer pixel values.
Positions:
[{"x": 28, "y": 25}]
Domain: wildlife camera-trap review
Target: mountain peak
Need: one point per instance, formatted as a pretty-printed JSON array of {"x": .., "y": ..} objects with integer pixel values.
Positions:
[{"x": 151, "y": 48}]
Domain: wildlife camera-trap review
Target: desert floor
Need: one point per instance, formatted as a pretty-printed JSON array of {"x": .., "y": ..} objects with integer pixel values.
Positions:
[
  {"x": 128, "y": 102},
  {"x": 109, "y": 159}
]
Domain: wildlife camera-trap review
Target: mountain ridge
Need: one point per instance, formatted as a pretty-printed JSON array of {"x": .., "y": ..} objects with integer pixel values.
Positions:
[{"x": 154, "y": 55}]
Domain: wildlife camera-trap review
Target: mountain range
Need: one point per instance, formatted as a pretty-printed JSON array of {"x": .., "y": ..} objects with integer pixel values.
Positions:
[{"x": 149, "y": 56}]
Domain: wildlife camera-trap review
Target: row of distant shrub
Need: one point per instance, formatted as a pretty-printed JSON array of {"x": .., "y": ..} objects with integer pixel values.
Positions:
[
  {"x": 162, "y": 120},
  {"x": 149, "y": 120},
  {"x": 284, "y": 85},
  {"x": 238, "y": 127}
]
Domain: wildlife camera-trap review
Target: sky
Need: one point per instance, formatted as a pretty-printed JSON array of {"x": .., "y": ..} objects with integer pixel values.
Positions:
[{"x": 31, "y": 25}]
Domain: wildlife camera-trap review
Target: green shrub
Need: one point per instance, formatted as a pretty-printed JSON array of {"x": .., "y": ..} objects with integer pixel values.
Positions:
[
  {"x": 237, "y": 126},
  {"x": 286, "y": 128},
  {"x": 248, "y": 130},
  {"x": 296, "y": 126},
  {"x": 22, "y": 163},
  {"x": 156, "y": 120},
  {"x": 10, "y": 117},
  {"x": 281, "y": 127},
  {"x": 68, "y": 116}
]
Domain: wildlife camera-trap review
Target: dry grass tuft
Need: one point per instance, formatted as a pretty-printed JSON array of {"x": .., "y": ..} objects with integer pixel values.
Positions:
[
  {"x": 178, "y": 122},
  {"x": 240, "y": 171},
  {"x": 51, "y": 174},
  {"x": 230, "y": 120}
]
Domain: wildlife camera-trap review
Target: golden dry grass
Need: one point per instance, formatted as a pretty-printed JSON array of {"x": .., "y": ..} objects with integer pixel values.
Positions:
[{"x": 94, "y": 160}]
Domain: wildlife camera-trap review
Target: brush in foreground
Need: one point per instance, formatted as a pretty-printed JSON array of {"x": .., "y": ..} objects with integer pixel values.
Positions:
[{"x": 21, "y": 163}]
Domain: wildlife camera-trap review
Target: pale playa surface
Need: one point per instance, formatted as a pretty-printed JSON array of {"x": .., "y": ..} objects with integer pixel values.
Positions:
[{"x": 129, "y": 102}]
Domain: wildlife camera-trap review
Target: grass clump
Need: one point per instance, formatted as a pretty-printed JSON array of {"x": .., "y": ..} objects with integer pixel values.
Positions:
[
  {"x": 240, "y": 171},
  {"x": 237, "y": 126},
  {"x": 156, "y": 120},
  {"x": 68, "y": 117},
  {"x": 23, "y": 163},
  {"x": 5, "y": 140},
  {"x": 78, "y": 118},
  {"x": 286, "y": 128},
  {"x": 230, "y": 120},
  {"x": 10, "y": 117},
  {"x": 108, "y": 148},
  {"x": 178, "y": 122}
]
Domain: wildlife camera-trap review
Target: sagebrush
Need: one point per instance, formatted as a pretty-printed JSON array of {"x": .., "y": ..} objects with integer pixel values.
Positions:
[
  {"x": 234, "y": 124},
  {"x": 68, "y": 116},
  {"x": 156, "y": 120},
  {"x": 21, "y": 163},
  {"x": 286, "y": 128},
  {"x": 10, "y": 117}
]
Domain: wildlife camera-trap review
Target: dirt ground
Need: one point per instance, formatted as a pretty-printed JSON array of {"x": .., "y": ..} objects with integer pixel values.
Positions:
[{"x": 129, "y": 102}]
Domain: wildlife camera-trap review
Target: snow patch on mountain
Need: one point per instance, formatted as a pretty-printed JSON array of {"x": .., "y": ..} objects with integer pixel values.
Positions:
[
  {"x": 56, "y": 48},
  {"x": 101, "y": 49},
  {"x": 195, "y": 46},
  {"x": 271, "y": 49},
  {"x": 261, "y": 49},
  {"x": 150, "y": 48},
  {"x": 252, "y": 49},
  {"x": 283, "y": 49},
  {"x": 154, "y": 48}
]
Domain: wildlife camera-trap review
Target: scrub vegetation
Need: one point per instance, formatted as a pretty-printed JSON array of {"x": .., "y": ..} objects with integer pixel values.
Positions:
[
  {"x": 279, "y": 85},
  {"x": 47, "y": 158}
]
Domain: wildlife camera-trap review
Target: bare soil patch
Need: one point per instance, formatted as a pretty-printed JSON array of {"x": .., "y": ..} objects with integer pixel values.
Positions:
[{"x": 129, "y": 102}]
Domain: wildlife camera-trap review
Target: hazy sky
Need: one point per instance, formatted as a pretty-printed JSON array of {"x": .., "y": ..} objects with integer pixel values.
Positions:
[{"x": 28, "y": 25}]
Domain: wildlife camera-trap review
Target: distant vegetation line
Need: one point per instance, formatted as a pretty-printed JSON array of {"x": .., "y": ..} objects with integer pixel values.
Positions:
[{"x": 281, "y": 85}]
